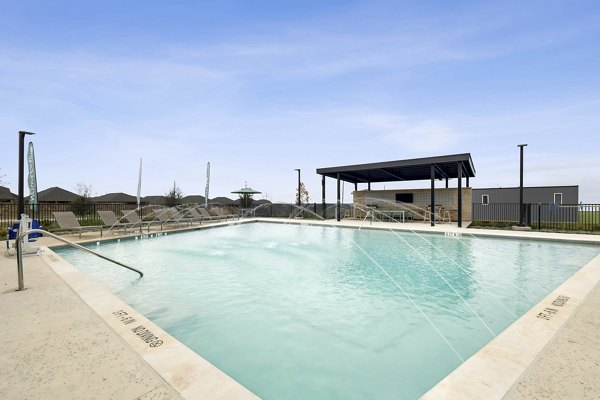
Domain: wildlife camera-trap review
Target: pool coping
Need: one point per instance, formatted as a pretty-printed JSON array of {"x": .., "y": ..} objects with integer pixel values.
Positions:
[{"x": 489, "y": 374}]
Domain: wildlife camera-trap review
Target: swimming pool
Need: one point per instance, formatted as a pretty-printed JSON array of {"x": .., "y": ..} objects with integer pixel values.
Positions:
[{"x": 313, "y": 312}]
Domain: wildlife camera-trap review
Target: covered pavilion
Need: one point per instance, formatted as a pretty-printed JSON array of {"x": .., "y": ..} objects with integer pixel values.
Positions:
[
  {"x": 455, "y": 166},
  {"x": 246, "y": 194}
]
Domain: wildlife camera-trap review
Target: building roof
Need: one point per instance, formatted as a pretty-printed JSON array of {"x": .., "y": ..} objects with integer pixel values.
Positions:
[
  {"x": 7, "y": 195},
  {"x": 115, "y": 198},
  {"x": 403, "y": 170},
  {"x": 261, "y": 201},
  {"x": 193, "y": 199},
  {"x": 157, "y": 200},
  {"x": 222, "y": 200},
  {"x": 56, "y": 195}
]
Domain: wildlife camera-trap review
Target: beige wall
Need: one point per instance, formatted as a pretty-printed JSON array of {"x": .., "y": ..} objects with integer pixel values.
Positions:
[{"x": 447, "y": 198}]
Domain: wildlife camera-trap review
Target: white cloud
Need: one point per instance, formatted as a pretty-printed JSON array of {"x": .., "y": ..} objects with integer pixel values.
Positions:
[{"x": 409, "y": 133}]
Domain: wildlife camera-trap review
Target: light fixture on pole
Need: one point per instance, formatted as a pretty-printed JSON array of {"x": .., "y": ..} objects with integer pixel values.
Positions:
[{"x": 521, "y": 209}]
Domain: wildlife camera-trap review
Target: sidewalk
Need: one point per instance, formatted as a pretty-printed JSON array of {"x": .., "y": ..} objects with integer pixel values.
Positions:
[
  {"x": 56, "y": 347},
  {"x": 569, "y": 367}
]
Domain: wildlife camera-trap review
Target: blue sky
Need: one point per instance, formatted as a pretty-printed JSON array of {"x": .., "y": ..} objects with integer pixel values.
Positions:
[{"x": 259, "y": 88}]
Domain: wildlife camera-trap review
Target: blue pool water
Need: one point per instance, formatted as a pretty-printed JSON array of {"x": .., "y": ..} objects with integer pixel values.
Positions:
[{"x": 306, "y": 312}]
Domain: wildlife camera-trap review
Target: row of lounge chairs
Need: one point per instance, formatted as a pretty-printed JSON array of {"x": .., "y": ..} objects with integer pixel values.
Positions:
[{"x": 67, "y": 221}]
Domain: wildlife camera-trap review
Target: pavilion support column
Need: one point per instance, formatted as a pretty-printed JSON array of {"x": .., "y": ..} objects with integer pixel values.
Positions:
[
  {"x": 324, "y": 205},
  {"x": 338, "y": 203},
  {"x": 369, "y": 185},
  {"x": 446, "y": 183},
  {"x": 460, "y": 167},
  {"x": 467, "y": 181},
  {"x": 432, "y": 209}
]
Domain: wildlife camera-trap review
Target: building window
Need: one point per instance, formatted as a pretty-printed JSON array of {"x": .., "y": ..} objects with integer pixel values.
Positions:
[
  {"x": 404, "y": 197},
  {"x": 485, "y": 199},
  {"x": 557, "y": 198}
]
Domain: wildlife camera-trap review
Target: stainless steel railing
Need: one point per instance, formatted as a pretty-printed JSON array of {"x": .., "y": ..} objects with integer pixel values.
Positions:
[{"x": 77, "y": 246}]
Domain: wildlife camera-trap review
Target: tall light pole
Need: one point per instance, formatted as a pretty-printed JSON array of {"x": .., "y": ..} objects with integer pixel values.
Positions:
[
  {"x": 21, "y": 170},
  {"x": 298, "y": 197},
  {"x": 521, "y": 213}
]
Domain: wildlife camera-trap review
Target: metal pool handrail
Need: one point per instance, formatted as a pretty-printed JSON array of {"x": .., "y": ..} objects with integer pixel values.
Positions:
[{"x": 77, "y": 246}]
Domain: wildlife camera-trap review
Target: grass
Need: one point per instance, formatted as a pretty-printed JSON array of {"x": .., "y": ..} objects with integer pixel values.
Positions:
[
  {"x": 590, "y": 218},
  {"x": 589, "y": 222}
]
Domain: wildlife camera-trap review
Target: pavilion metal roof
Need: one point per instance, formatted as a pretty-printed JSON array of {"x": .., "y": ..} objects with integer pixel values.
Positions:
[
  {"x": 246, "y": 190},
  {"x": 403, "y": 170}
]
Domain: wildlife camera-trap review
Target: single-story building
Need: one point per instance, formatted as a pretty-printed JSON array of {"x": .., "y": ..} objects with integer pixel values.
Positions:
[
  {"x": 541, "y": 203},
  {"x": 55, "y": 195},
  {"x": 531, "y": 194}
]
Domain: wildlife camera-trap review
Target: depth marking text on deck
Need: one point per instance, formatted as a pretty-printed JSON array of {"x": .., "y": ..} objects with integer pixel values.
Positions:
[
  {"x": 548, "y": 312},
  {"x": 124, "y": 317}
]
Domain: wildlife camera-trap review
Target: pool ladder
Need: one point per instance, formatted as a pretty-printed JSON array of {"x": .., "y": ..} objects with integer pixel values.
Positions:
[{"x": 19, "y": 243}]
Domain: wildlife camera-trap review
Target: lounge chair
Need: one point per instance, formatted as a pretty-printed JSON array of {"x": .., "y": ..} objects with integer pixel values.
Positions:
[
  {"x": 204, "y": 212},
  {"x": 111, "y": 221},
  {"x": 133, "y": 218},
  {"x": 68, "y": 222},
  {"x": 224, "y": 213},
  {"x": 181, "y": 216},
  {"x": 196, "y": 216},
  {"x": 169, "y": 216}
]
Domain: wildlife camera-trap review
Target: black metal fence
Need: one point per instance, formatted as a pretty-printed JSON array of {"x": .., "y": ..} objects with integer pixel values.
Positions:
[
  {"x": 86, "y": 213},
  {"x": 308, "y": 211},
  {"x": 541, "y": 216},
  {"x": 562, "y": 217}
]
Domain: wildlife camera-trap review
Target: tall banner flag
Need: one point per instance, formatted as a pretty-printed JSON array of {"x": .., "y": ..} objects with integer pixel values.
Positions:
[
  {"x": 32, "y": 179},
  {"x": 139, "y": 191},
  {"x": 207, "y": 184}
]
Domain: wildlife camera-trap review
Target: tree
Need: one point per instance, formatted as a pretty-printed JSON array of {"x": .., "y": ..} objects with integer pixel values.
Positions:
[
  {"x": 304, "y": 197},
  {"x": 82, "y": 205},
  {"x": 174, "y": 196},
  {"x": 83, "y": 190}
]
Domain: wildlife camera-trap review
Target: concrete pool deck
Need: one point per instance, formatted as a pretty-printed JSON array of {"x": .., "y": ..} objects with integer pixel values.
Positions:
[{"x": 64, "y": 341}]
